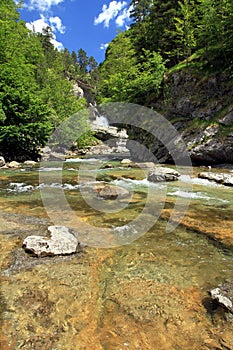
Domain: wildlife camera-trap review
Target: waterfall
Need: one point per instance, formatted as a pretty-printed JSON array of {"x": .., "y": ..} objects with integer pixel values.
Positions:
[
  {"x": 115, "y": 139},
  {"x": 101, "y": 120},
  {"x": 97, "y": 118}
]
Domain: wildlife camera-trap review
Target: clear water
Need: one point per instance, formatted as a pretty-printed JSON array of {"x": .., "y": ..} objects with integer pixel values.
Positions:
[{"x": 150, "y": 293}]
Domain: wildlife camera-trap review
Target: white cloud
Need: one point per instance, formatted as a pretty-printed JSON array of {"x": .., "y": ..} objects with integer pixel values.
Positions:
[
  {"x": 104, "y": 46},
  {"x": 42, "y": 5},
  {"x": 124, "y": 17},
  {"x": 57, "y": 44},
  {"x": 54, "y": 22},
  {"x": 57, "y": 25},
  {"x": 109, "y": 12}
]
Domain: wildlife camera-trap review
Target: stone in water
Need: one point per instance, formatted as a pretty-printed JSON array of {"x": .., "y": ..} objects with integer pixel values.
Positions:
[{"x": 61, "y": 242}]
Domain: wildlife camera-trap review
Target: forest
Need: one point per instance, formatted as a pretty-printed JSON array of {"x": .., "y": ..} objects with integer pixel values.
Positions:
[{"x": 37, "y": 80}]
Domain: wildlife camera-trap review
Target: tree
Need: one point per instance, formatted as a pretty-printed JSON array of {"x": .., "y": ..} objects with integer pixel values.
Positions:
[
  {"x": 215, "y": 31},
  {"x": 82, "y": 61},
  {"x": 26, "y": 124},
  {"x": 92, "y": 64},
  {"x": 35, "y": 94},
  {"x": 186, "y": 29},
  {"x": 126, "y": 77},
  {"x": 140, "y": 9},
  {"x": 46, "y": 40}
]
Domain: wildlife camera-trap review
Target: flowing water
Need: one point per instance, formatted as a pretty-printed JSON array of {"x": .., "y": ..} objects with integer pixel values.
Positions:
[{"x": 150, "y": 293}]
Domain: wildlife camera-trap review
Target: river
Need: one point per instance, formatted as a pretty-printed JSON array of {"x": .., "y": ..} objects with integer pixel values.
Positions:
[{"x": 147, "y": 290}]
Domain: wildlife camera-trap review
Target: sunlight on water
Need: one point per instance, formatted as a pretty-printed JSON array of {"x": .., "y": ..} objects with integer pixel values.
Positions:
[{"x": 150, "y": 294}]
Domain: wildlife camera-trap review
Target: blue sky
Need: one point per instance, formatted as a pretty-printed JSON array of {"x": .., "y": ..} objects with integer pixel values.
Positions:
[{"x": 86, "y": 24}]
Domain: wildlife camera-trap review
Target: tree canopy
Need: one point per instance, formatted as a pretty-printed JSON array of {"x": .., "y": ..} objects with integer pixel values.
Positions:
[
  {"x": 36, "y": 85},
  {"x": 163, "y": 34}
]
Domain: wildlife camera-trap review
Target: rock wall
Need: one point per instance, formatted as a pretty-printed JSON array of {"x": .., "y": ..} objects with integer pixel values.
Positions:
[{"x": 201, "y": 109}]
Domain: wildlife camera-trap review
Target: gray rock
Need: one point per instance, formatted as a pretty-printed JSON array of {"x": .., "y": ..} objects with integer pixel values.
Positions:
[
  {"x": 221, "y": 178},
  {"x": 2, "y": 161},
  {"x": 57, "y": 156},
  {"x": 61, "y": 242},
  {"x": 227, "y": 119},
  {"x": 223, "y": 294},
  {"x": 159, "y": 174},
  {"x": 107, "y": 191},
  {"x": 13, "y": 164},
  {"x": 100, "y": 150},
  {"x": 126, "y": 161},
  {"x": 30, "y": 162},
  {"x": 144, "y": 165},
  {"x": 78, "y": 91}
]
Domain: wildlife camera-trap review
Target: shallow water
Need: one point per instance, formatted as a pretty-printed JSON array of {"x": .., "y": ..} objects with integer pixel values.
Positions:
[{"x": 150, "y": 293}]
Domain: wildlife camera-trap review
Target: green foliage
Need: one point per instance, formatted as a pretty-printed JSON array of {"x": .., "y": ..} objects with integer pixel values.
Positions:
[
  {"x": 87, "y": 139},
  {"x": 126, "y": 77},
  {"x": 185, "y": 27},
  {"x": 177, "y": 29},
  {"x": 36, "y": 86}
]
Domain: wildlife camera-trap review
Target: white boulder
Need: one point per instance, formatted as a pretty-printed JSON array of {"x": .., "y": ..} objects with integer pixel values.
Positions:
[{"x": 61, "y": 242}]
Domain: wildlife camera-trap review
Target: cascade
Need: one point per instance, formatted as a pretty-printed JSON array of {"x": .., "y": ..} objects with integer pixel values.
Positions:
[
  {"x": 114, "y": 138},
  {"x": 101, "y": 120}
]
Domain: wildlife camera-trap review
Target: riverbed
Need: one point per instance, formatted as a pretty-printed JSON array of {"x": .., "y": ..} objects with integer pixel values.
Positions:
[{"x": 138, "y": 282}]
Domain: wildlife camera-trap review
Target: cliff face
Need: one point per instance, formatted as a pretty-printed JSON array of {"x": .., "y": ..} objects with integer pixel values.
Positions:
[{"x": 201, "y": 109}]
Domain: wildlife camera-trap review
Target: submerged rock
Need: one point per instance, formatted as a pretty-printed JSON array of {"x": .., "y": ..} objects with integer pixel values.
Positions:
[
  {"x": 106, "y": 191},
  {"x": 221, "y": 178},
  {"x": 61, "y": 242},
  {"x": 157, "y": 174},
  {"x": 223, "y": 294}
]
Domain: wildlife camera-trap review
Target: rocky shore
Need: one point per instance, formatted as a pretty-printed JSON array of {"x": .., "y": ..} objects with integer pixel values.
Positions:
[{"x": 201, "y": 110}]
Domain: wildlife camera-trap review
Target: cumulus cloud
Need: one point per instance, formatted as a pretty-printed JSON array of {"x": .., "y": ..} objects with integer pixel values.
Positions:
[
  {"x": 54, "y": 22},
  {"x": 124, "y": 17},
  {"x": 104, "y": 46},
  {"x": 42, "y": 5},
  {"x": 57, "y": 25},
  {"x": 109, "y": 12}
]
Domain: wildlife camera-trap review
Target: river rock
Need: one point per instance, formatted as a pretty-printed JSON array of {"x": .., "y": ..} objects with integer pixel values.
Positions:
[
  {"x": 61, "y": 242},
  {"x": 221, "y": 178},
  {"x": 30, "y": 162},
  {"x": 159, "y": 174},
  {"x": 126, "y": 161},
  {"x": 223, "y": 294},
  {"x": 107, "y": 191},
  {"x": 143, "y": 165},
  {"x": 2, "y": 161},
  {"x": 105, "y": 177},
  {"x": 99, "y": 150},
  {"x": 13, "y": 164}
]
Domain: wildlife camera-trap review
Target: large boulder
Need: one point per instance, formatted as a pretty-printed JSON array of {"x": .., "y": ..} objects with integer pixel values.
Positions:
[
  {"x": 161, "y": 174},
  {"x": 13, "y": 164},
  {"x": 221, "y": 178},
  {"x": 61, "y": 242},
  {"x": 223, "y": 295}
]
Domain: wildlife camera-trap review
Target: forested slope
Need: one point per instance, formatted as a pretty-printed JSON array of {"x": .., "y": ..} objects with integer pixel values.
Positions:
[
  {"x": 177, "y": 58},
  {"x": 36, "y": 85}
]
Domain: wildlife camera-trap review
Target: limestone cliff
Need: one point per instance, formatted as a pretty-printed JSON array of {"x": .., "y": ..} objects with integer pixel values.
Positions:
[{"x": 201, "y": 109}]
